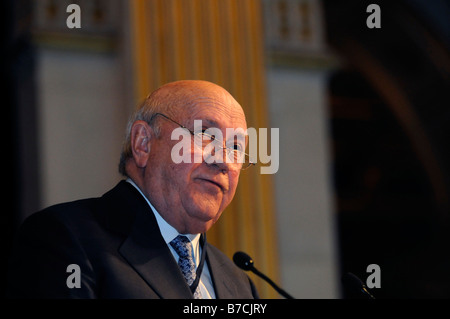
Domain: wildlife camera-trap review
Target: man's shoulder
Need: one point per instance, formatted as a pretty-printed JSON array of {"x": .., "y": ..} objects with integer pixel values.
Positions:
[
  {"x": 51, "y": 239},
  {"x": 81, "y": 209},
  {"x": 69, "y": 208},
  {"x": 56, "y": 218}
]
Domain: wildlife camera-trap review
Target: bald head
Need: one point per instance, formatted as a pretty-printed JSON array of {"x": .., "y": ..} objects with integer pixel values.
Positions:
[
  {"x": 178, "y": 99},
  {"x": 189, "y": 195},
  {"x": 178, "y": 95}
]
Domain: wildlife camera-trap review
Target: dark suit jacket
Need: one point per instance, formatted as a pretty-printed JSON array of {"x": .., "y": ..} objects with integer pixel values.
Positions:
[{"x": 116, "y": 242}]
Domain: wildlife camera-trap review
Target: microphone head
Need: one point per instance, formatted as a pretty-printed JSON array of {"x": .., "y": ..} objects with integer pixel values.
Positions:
[{"x": 243, "y": 261}]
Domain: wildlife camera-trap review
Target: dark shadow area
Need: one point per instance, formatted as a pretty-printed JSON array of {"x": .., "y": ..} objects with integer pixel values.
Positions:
[
  {"x": 20, "y": 194},
  {"x": 390, "y": 127}
]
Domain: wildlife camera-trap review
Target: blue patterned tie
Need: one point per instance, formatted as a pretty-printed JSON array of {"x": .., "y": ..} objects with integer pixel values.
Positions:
[{"x": 183, "y": 247}]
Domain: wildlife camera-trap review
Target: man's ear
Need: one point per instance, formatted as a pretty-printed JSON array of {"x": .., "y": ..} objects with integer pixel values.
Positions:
[{"x": 141, "y": 142}]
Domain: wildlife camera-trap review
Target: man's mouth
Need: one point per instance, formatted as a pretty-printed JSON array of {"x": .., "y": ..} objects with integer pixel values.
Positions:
[{"x": 213, "y": 182}]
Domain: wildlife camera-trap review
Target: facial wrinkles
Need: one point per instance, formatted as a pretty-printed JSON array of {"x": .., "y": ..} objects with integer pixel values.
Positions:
[
  {"x": 218, "y": 116},
  {"x": 177, "y": 199},
  {"x": 216, "y": 112}
]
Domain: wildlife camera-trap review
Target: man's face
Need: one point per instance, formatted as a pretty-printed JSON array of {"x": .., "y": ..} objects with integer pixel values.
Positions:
[{"x": 192, "y": 196}]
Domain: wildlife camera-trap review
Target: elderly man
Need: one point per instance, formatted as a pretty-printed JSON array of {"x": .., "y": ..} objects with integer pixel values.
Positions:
[{"x": 145, "y": 238}]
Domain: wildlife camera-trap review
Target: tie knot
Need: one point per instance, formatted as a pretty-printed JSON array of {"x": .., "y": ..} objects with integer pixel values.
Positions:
[{"x": 182, "y": 246}]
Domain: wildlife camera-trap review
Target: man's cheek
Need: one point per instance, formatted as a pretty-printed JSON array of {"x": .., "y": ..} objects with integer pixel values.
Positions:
[{"x": 178, "y": 170}]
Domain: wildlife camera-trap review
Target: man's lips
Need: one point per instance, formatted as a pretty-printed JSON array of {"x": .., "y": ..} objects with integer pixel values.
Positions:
[{"x": 218, "y": 184}]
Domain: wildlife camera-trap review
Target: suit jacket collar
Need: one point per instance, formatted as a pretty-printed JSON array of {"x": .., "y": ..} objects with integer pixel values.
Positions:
[
  {"x": 146, "y": 251},
  {"x": 223, "y": 286},
  {"x": 144, "y": 248}
]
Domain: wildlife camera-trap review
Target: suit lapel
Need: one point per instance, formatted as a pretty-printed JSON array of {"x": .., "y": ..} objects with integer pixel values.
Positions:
[
  {"x": 144, "y": 248},
  {"x": 223, "y": 287},
  {"x": 149, "y": 255}
]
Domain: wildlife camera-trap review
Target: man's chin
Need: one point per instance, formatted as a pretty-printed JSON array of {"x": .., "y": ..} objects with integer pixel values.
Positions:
[{"x": 202, "y": 221}]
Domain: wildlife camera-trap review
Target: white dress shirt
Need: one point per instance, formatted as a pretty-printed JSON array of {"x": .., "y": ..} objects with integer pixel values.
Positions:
[{"x": 169, "y": 233}]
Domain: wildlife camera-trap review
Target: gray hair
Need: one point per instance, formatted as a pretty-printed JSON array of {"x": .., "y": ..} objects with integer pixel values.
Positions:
[
  {"x": 144, "y": 112},
  {"x": 167, "y": 100}
]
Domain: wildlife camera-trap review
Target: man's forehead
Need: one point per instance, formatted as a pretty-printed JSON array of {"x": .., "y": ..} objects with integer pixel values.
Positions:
[
  {"x": 217, "y": 115},
  {"x": 220, "y": 121}
]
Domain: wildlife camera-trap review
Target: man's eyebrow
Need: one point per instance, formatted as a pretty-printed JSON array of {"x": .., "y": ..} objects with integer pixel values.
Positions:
[
  {"x": 207, "y": 122},
  {"x": 211, "y": 123}
]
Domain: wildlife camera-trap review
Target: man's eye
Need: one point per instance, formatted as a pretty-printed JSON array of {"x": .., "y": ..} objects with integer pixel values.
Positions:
[
  {"x": 203, "y": 132},
  {"x": 207, "y": 136}
]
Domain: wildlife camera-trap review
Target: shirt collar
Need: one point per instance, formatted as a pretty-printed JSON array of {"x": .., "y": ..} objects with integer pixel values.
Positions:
[{"x": 168, "y": 232}]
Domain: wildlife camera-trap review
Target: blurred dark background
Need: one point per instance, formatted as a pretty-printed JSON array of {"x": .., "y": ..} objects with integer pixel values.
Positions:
[
  {"x": 390, "y": 128},
  {"x": 21, "y": 190}
]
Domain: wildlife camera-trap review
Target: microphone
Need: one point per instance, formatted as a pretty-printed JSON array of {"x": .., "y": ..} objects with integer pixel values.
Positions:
[
  {"x": 245, "y": 262},
  {"x": 354, "y": 287}
]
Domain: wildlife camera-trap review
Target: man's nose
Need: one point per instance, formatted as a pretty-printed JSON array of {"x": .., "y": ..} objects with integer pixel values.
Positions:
[{"x": 217, "y": 155}]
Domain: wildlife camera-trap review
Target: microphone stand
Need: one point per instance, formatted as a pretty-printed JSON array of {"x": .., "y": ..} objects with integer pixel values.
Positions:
[{"x": 278, "y": 289}]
